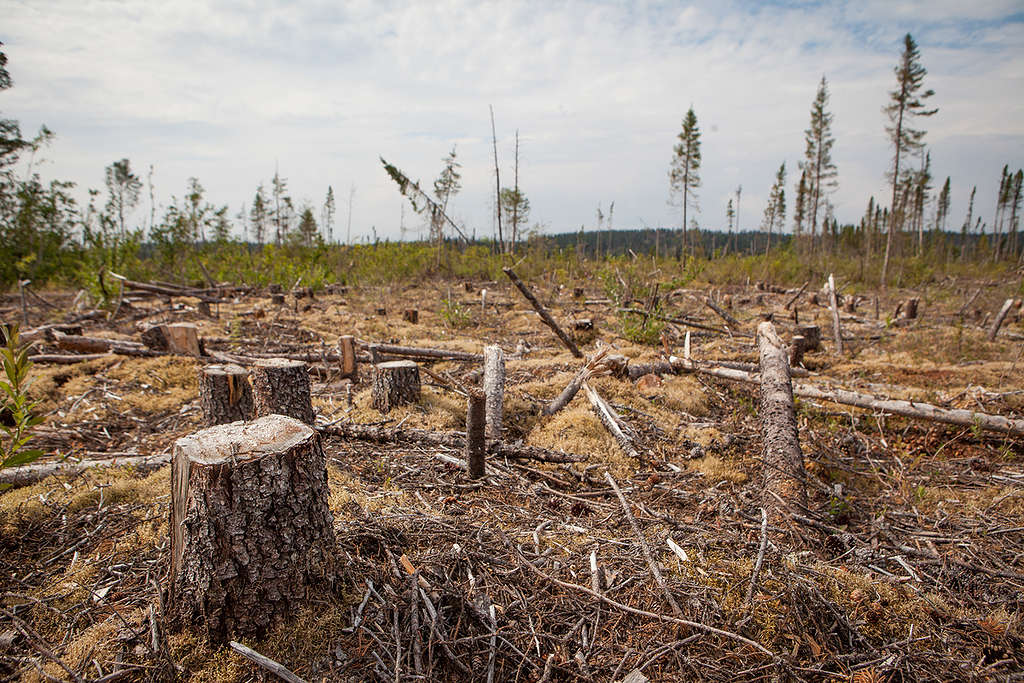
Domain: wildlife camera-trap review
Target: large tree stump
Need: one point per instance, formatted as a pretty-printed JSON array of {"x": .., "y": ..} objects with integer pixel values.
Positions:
[
  {"x": 494, "y": 389},
  {"x": 783, "y": 461},
  {"x": 251, "y": 533},
  {"x": 225, "y": 394},
  {"x": 812, "y": 333},
  {"x": 281, "y": 387},
  {"x": 395, "y": 383}
]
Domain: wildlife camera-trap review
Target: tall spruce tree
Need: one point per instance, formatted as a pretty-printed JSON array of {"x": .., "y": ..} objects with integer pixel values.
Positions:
[
  {"x": 123, "y": 189},
  {"x": 684, "y": 174},
  {"x": 258, "y": 215},
  {"x": 965, "y": 229},
  {"x": 906, "y": 103},
  {"x": 800, "y": 206},
  {"x": 821, "y": 170},
  {"x": 775, "y": 212},
  {"x": 942, "y": 207}
]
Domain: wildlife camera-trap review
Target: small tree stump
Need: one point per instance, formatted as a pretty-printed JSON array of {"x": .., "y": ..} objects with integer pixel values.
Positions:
[
  {"x": 475, "y": 427},
  {"x": 797, "y": 348},
  {"x": 203, "y": 309},
  {"x": 251, "y": 532},
  {"x": 281, "y": 387},
  {"x": 277, "y": 299},
  {"x": 395, "y": 383},
  {"x": 274, "y": 288},
  {"x": 382, "y": 311},
  {"x": 181, "y": 338},
  {"x": 727, "y": 302},
  {"x": 411, "y": 315},
  {"x": 494, "y": 389},
  {"x": 225, "y": 394},
  {"x": 347, "y": 351},
  {"x": 583, "y": 324},
  {"x": 812, "y": 333},
  {"x": 577, "y": 292},
  {"x": 910, "y": 309}
]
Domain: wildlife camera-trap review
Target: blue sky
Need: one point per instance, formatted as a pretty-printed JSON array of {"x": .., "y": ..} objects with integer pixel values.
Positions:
[{"x": 226, "y": 91}]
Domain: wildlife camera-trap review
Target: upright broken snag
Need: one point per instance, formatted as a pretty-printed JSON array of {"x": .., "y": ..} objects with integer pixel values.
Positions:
[
  {"x": 783, "y": 461},
  {"x": 281, "y": 387},
  {"x": 225, "y": 394},
  {"x": 476, "y": 443},
  {"x": 251, "y": 533},
  {"x": 347, "y": 352},
  {"x": 833, "y": 303},
  {"x": 180, "y": 338},
  {"x": 494, "y": 389},
  {"x": 395, "y": 383},
  {"x": 1000, "y": 317}
]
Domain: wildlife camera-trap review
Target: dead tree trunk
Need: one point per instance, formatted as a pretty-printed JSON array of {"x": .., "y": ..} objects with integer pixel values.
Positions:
[
  {"x": 494, "y": 389},
  {"x": 998, "y": 322},
  {"x": 225, "y": 394},
  {"x": 783, "y": 464},
  {"x": 476, "y": 443},
  {"x": 395, "y": 383},
  {"x": 251, "y": 533},
  {"x": 543, "y": 313},
  {"x": 837, "y": 329},
  {"x": 281, "y": 387}
]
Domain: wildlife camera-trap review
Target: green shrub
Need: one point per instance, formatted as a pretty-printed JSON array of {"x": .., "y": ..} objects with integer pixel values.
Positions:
[{"x": 16, "y": 408}]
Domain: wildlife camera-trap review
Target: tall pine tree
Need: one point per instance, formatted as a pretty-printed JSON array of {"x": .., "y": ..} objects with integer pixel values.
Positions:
[
  {"x": 906, "y": 103},
  {"x": 684, "y": 174},
  {"x": 821, "y": 170}
]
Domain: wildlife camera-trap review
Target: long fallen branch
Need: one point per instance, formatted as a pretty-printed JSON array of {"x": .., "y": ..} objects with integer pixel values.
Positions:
[
  {"x": 911, "y": 409},
  {"x": 165, "y": 291},
  {"x": 415, "y": 352},
  {"x": 384, "y": 434},
  {"x": 29, "y": 474},
  {"x": 612, "y": 421},
  {"x": 543, "y": 313},
  {"x": 594, "y": 367},
  {"x": 682, "y": 321},
  {"x": 74, "y": 342}
]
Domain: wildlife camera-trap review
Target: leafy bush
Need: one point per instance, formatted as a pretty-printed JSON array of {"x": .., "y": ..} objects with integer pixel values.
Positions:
[{"x": 16, "y": 410}]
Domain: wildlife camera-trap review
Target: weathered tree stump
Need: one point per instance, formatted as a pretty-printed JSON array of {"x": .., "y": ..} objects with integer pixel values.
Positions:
[
  {"x": 395, "y": 383},
  {"x": 281, "y": 387},
  {"x": 225, "y": 394},
  {"x": 411, "y": 315},
  {"x": 277, "y": 299},
  {"x": 812, "y": 333},
  {"x": 251, "y": 532},
  {"x": 203, "y": 309},
  {"x": 182, "y": 338},
  {"x": 909, "y": 311},
  {"x": 274, "y": 288},
  {"x": 782, "y": 459},
  {"x": 347, "y": 351},
  {"x": 382, "y": 311},
  {"x": 577, "y": 292},
  {"x": 797, "y": 348},
  {"x": 494, "y": 389},
  {"x": 476, "y": 444}
]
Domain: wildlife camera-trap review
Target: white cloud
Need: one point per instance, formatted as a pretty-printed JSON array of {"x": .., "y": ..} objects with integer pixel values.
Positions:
[{"x": 225, "y": 90}]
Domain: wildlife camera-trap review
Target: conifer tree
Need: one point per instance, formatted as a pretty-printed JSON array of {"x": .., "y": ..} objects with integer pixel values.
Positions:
[
  {"x": 966, "y": 227},
  {"x": 684, "y": 174},
  {"x": 328, "y": 215},
  {"x": 906, "y": 103},
  {"x": 821, "y": 170},
  {"x": 1002, "y": 200},
  {"x": 942, "y": 207},
  {"x": 800, "y": 206},
  {"x": 775, "y": 212},
  {"x": 258, "y": 216},
  {"x": 281, "y": 208},
  {"x": 123, "y": 188}
]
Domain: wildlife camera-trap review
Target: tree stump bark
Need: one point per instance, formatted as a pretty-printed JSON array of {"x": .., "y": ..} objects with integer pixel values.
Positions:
[
  {"x": 797, "y": 348},
  {"x": 475, "y": 440},
  {"x": 395, "y": 383},
  {"x": 251, "y": 532},
  {"x": 182, "y": 338},
  {"x": 411, "y": 315},
  {"x": 494, "y": 389},
  {"x": 225, "y": 394},
  {"x": 909, "y": 311},
  {"x": 837, "y": 327},
  {"x": 783, "y": 461},
  {"x": 277, "y": 299},
  {"x": 281, "y": 387},
  {"x": 347, "y": 351}
]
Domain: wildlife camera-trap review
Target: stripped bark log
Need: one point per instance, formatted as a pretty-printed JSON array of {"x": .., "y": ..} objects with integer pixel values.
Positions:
[
  {"x": 496, "y": 449},
  {"x": 1000, "y": 317},
  {"x": 837, "y": 329},
  {"x": 543, "y": 313},
  {"x": 347, "y": 354},
  {"x": 476, "y": 423},
  {"x": 166, "y": 290},
  {"x": 417, "y": 353},
  {"x": 783, "y": 462},
  {"x": 395, "y": 383},
  {"x": 281, "y": 387},
  {"x": 100, "y": 345},
  {"x": 251, "y": 533},
  {"x": 494, "y": 389},
  {"x": 225, "y": 394},
  {"x": 612, "y": 421},
  {"x": 594, "y": 367},
  {"x": 30, "y": 474}
]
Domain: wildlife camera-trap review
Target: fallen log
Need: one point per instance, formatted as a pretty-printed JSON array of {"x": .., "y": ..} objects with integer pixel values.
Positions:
[
  {"x": 66, "y": 358},
  {"x": 417, "y": 353},
  {"x": 724, "y": 315},
  {"x": 389, "y": 435},
  {"x": 1000, "y": 317},
  {"x": 797, "y": 295},
  {"x": 99, "y": 345},
  {"x": 30, "y": 474},
  {"x": 682, "y": 321},
  {"x": 165, "y": 290},
  {"x": 911, "y": 409},
  {"x": 594, "y": 367},
  {"x": 543, "y": 313},
  {"x": 612, "y": 421}
]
